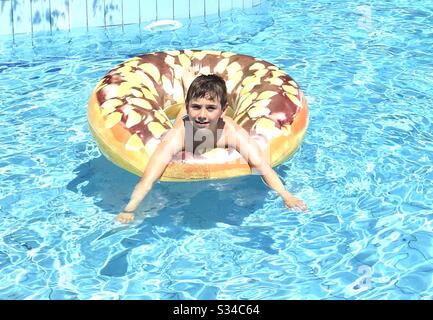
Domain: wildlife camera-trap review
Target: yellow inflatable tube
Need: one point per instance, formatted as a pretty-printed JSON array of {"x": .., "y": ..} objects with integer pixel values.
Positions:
[{"x": 135, "y": 103}]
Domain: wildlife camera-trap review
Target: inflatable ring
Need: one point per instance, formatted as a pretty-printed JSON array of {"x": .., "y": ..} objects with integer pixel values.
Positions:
[{"x": 134, "y": 104}]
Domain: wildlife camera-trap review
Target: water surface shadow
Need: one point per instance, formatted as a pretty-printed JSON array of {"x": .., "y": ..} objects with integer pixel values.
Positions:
[
  {"x": 171, "y": 211},
  {"x": 196, "y": 205}
]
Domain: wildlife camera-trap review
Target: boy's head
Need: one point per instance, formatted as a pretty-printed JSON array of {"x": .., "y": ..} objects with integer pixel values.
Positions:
[
  {"x": 206, "y": 100},
  {"x": 211, "y": 87}
]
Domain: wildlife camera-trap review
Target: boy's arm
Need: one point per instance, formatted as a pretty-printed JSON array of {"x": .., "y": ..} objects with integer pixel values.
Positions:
[
  {"x": 251, "y": 152},
  {"x": 169, "y": 146}
]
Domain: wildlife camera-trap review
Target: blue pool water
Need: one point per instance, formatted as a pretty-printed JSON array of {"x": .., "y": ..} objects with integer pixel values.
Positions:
[{"x": 365, "y": 168}]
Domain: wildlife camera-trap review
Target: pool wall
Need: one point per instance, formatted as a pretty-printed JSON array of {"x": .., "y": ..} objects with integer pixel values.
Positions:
[{"x": 33, "y": 16}]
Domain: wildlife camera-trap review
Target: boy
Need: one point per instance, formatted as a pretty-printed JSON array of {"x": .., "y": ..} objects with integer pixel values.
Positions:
[{"x": 206, "y": 103}]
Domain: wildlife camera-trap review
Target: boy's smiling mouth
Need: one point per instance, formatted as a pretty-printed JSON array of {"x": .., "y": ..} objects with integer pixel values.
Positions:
[{"x": 202, "y": 124}]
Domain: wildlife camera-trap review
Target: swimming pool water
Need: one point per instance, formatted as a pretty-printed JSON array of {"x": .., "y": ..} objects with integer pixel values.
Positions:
[{"x": 364, "y": 169}]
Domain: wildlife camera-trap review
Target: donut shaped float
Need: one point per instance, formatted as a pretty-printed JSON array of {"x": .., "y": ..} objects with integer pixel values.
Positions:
[{"x": 135, "y": 103}]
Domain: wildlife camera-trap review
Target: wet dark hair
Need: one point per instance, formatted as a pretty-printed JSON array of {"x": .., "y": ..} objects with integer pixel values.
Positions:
[{"x": 208, "y": 86}]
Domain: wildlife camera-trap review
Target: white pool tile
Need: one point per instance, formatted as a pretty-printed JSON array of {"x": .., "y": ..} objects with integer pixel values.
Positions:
[
  {"x": 60, "y": 19},
  {"x": 181, "y": 9},
  {"x": 248, "y": 4},
  {"x": 95, "y": 11},
  {"x": 131, "y": 11},
  {"x": 5, "y": 17},
  {"x": 78, "y": 12},
  {"x": 211, "y": 7},
  {"x": 148, "y": 10},
  {"x": 238, "y": 4},
  {"x": 21, "y": 16},
  {"x": 113, "y": 12},
  {"x": 197, "y": 8},
  {"x": 225, "y": 5},
  {"x": 165, "y": 9}
]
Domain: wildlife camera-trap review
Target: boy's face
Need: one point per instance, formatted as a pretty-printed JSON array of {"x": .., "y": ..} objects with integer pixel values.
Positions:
[{"x": 205, "y": 112}]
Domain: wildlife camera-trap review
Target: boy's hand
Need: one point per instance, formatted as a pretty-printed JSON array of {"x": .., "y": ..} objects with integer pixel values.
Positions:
[
  {"x": 125, "y": 217},
  {"x": 294, "y": 203}
]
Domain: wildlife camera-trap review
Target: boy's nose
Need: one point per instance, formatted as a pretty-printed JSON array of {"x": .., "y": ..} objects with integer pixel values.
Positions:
[{"x": 202, "y": 115}]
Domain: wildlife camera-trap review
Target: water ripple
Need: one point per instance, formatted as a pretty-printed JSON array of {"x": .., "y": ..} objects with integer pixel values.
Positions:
[{"x": 364, "y": 168}]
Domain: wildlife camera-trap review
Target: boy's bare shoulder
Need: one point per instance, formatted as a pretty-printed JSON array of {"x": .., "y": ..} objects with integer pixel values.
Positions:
[
  {"x": 174, "y": 137},
  {"x": 175, "y": 131},
  {"x": 232, "y": 127},
  {"x": 230, "y": 123}
]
